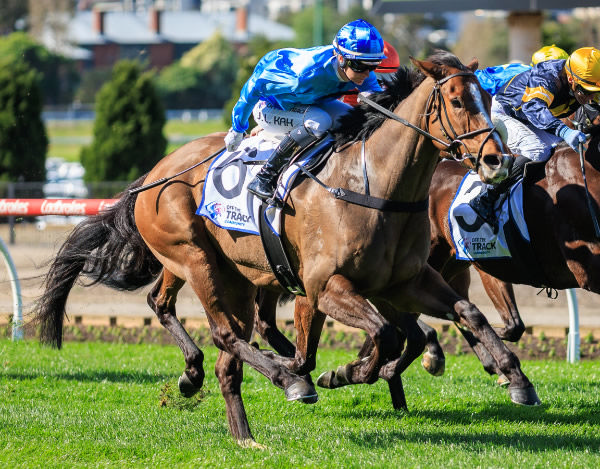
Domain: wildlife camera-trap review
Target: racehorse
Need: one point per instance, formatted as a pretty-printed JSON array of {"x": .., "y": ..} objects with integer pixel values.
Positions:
[
  {"x": 564, "y": 250},
  {"x": 342, "y": 252}
]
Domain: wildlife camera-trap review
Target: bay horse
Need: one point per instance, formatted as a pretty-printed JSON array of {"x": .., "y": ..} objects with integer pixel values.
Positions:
[
  {"x": 342, "y": 253},
  {"x": 564, "y": 251}
]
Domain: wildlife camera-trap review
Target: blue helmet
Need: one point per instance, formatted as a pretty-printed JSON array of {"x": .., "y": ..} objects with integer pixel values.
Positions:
[{"x": 359, "y": 40}]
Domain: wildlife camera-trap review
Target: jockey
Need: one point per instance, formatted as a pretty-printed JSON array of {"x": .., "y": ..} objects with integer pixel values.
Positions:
[
  {"x": 384, "y": 72},
  {"x": 294, "y": 92},
  {"x": 531, "y": 106},
  {"x": 494, "y": 78},
  {"x": 548, "y": 53}
]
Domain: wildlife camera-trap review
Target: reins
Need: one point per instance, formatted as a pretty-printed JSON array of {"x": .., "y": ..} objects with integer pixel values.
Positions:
[
  {"x": 585, "y": 184},
  {"x": 160, "y": 181},
  {"x": 366, "y": 200},
  {"x": 456, "y": 140}
]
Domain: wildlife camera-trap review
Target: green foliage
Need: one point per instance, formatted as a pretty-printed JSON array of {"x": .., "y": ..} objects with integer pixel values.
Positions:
[
  {"x": 202, "y": 78},
  {"x": 128, "y": 131},
  {"x": 567, "y": 35},
  {"x": 23, "y": 140},
  {"x": 486, "y": 39},
  {"x": 258, "y": 47},
  {"x": 91, "y": 83},
  {"x": 58, "y": 75}
]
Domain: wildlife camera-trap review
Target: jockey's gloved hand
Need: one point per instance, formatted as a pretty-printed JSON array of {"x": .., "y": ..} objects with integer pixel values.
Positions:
[
  {"x": 571, "y": 136},
  {"x": 233, "y": 139}
]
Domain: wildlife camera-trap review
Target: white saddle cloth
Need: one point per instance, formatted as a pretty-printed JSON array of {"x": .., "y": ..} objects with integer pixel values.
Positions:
[{"x": 472, "y": 237}]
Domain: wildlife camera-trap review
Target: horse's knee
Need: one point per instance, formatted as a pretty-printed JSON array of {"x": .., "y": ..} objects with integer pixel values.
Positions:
[
  {"x": 303, "y": 365},
  {"x": 473, "y": 318},
  {"x": 386, "y": 339},
  {"x": 513, "y": 331}
]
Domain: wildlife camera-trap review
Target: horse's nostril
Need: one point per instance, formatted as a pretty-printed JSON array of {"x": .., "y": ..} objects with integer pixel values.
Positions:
[{"x": 492, "y": 160}]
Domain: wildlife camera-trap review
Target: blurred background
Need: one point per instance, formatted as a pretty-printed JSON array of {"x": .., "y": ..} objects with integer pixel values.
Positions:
[{"x": 94, "y": 93}]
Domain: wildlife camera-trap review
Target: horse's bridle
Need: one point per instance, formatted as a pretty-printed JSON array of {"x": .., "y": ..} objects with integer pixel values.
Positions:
[{"x": 436, "y": 101}]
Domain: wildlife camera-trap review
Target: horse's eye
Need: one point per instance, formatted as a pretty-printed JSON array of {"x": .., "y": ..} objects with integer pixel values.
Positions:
[{"x": 456, "y": 103}]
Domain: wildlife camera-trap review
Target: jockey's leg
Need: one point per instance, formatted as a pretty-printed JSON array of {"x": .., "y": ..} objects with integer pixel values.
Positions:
[
  {"x": 485, "y": 202},
  {"x": 301, "y": 126},
  {"x": 264, "y": 184},
  {"x": 530, "y": 144}
]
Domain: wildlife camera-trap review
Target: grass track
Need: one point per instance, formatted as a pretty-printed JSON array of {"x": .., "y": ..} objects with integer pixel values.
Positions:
[{"x": 97, "y": 405}]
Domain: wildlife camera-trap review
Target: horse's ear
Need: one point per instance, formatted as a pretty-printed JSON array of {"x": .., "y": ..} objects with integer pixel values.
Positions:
[
  {"x": 473, "y": 65},
  {"x": 428, "y": 68}
]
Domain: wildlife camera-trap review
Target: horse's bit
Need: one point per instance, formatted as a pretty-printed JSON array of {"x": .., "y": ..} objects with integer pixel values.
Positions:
[{"x": 456, "y": 141}]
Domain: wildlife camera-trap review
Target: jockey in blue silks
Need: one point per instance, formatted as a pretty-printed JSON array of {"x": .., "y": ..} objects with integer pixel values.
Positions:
[
  {"x": 531, "y": 107},
  {"x": 294, "y": 92},
  {"x": 492, "y": 79}
]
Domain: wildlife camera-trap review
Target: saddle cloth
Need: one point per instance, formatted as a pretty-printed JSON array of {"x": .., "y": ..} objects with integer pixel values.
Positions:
[
  {"x": 473, "y": 238},
  {"x": 225, "y": 200}
]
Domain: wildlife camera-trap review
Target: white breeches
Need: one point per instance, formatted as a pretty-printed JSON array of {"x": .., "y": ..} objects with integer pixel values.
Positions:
[
  {"x": 316, "y": 119},
  {"x": 529, "y": 141}
]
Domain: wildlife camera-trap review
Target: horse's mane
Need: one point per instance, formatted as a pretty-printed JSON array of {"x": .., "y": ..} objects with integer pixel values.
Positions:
[{"x": 363, "y": 120}]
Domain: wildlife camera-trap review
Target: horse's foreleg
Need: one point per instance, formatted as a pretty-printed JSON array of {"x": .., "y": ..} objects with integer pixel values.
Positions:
[
  {"x": 230, "y": 373},
  {"x": 162, "y": 300},
  {"x": 460, "y": 283},
  {"x": 503, "y": 298},
  {"x": 341, "y": 302},
  {"x": 429, "y": 294},
  {"x": 229, "y": 308}
]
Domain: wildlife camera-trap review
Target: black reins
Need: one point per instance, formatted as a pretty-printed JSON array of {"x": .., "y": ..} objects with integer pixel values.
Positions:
[{"x": 436, "y": 101}]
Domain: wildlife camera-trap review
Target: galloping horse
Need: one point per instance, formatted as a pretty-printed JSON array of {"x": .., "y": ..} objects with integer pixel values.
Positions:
[
  {"x": 564, "y": 251},
  {"x": 342, "y": 253}
]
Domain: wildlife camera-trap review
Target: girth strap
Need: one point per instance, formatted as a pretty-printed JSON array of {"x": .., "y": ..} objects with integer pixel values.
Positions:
[{"x": 368, "y": 200}]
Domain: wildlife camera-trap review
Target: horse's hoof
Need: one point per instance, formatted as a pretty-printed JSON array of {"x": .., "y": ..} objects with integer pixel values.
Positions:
[
  {"x": 325, "y": 379},
  {"x": 250, "y": 443},
  {"x": 502, "y": 380},
  {"x": 186, "y": 387},
  {"x": 301, "y": 391},
  {"x": 433, "y": 366},
  {"x": 524, "y": 396}
]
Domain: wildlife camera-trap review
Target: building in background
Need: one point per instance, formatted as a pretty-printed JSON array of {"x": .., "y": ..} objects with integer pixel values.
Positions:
[{"x": 111, "y": 31}]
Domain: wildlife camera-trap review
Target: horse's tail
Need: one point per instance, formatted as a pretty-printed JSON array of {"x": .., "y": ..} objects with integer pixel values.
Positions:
[{"x": 107, "y": 248}]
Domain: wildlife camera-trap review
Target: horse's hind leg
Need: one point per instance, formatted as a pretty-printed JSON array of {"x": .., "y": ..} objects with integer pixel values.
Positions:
[
  {"x": 162, "y": 299},
  {"x": 503, "y": 297},
  {"x": 429, "y": 294},
  {"x": 341, "y": 302},
  {"x": 266, "y": 326},
  {"x": 433, "y": 359}
]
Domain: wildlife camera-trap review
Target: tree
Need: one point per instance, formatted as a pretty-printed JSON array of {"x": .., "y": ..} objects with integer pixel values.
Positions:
[
  {"x": 257, "y": 47},
  {"x": 128, "y": 131},
  {"x": 23, "y": 140},
  {"x": 58, "y": 75},
  {"x": 13, "y": 12},
  {"x": 202, "y": 78}
]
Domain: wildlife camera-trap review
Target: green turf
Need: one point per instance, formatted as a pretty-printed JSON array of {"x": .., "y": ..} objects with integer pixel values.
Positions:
[{"x": 98, "y": 405}]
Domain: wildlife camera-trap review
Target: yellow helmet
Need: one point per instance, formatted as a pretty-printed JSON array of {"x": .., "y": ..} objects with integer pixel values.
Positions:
[
  {"x": 548, "y": 53},
  {"x": 583, "y": 67}
]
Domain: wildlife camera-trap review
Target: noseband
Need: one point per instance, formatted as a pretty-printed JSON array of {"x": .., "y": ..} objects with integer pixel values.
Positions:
[{"x": 436, "y": 102}]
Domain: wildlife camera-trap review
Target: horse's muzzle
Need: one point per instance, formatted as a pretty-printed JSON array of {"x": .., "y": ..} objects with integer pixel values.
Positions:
[{"x": 494, "y": 168}]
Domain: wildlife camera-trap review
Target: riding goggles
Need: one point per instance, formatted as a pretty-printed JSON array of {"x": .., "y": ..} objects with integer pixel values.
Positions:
[
  {"x": 361, "y": 67},
  {"x": 582, "y": 91}
]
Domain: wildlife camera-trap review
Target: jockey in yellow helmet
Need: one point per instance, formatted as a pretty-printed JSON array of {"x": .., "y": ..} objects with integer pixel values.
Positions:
[
  {"x": 531, "y": 107},
  {"x": 548, "y": 53}
]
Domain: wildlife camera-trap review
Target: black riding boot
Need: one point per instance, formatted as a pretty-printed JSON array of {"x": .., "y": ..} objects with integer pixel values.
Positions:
[
  {"x": 264, "y": 184},
  {"x": 484, "y": 203}
]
